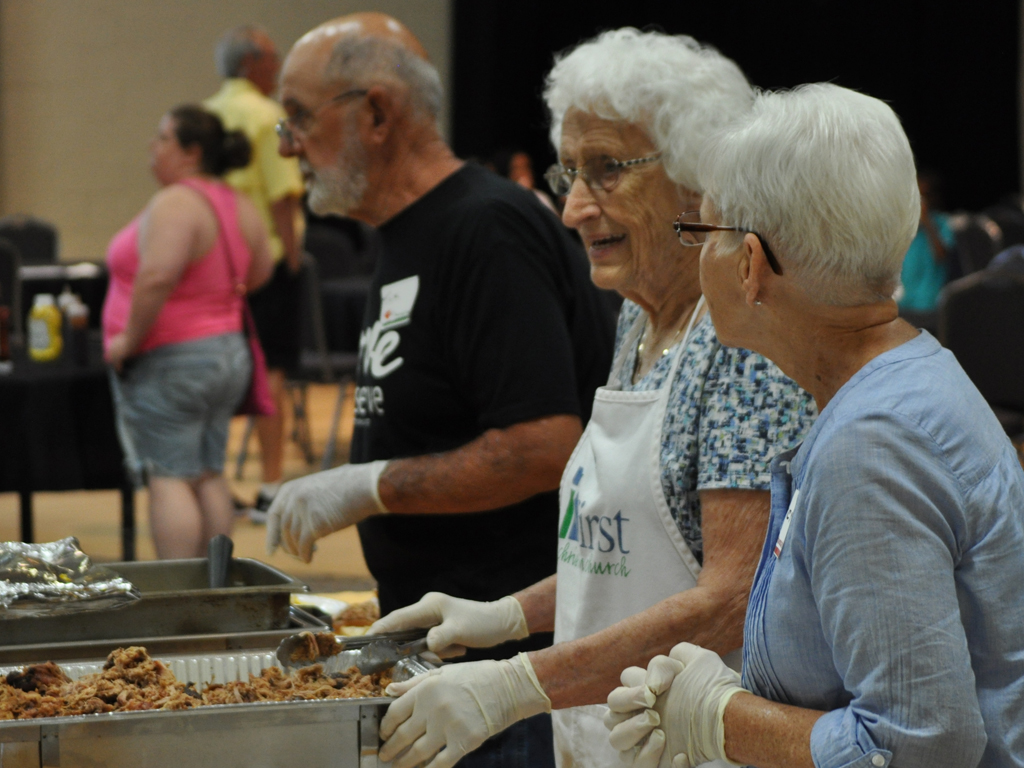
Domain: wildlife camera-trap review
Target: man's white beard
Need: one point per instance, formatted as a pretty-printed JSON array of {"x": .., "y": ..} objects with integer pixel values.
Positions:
[{"x": 341, "y": 188}]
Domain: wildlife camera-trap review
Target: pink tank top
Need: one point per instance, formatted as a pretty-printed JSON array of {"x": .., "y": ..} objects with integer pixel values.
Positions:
[{"x": 205, "y": 302}]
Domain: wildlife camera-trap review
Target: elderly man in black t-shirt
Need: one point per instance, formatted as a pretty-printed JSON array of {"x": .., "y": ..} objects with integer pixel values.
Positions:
[{"x": 482, "y": 345}]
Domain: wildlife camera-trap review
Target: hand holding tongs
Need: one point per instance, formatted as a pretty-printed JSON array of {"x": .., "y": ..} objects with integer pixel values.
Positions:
[{"x": 379, "y": 654}]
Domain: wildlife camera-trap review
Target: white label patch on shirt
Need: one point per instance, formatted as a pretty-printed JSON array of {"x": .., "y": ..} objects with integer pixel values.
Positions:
[
  {"x": 396, "y": 302},
  {"x": 785, "y": 524}
]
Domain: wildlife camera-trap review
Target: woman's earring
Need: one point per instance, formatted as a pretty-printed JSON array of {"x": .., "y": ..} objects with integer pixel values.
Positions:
[{"x": 757, "y": 303}]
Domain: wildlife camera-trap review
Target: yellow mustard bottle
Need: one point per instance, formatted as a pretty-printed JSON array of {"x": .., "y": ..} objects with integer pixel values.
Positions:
[{"x": 44, "y": 329}]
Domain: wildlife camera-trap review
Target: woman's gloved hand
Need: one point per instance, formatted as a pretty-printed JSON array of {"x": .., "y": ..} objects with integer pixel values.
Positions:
[
  {"x": 685, "y": 726},
  {"x": 448, "y": 712},
  {"x": 458, "y": 624},
  {"x": 311, "y": 507}
]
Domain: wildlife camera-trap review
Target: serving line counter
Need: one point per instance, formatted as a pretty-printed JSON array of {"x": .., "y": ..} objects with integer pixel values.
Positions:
[
  {"x": 204, "y": 636},
  {"x": 314, "y": 734},
  {"x": 330, "y": 733}
]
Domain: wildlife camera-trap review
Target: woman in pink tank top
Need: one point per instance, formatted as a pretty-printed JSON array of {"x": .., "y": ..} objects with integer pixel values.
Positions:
[{"x": 172, "y": 327}]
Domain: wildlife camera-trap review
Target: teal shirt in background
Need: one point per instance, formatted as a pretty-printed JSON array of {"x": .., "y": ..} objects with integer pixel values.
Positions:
[{"x": 922, "y": 277}]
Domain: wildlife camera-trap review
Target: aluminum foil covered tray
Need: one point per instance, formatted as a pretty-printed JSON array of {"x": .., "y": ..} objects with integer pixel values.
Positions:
[
  {"x": 174, "y": 599},
  {"x": 56, "y": 579}
]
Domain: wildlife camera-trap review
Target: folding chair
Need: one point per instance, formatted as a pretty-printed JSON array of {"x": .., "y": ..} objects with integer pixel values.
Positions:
[
  {"x": 35, "y": 239},
  {"x": 980, "y": 317},
  {"x": 317, "y": 364}
]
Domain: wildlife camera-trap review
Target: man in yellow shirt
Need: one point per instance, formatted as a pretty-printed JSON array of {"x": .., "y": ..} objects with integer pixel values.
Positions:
[{"x": 247, "y": 60}]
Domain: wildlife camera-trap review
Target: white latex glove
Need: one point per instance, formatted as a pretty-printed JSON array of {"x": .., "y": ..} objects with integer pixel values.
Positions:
[
  {"x": 630, "y": 716},
  {"x": 693, "y": 688},
  {"x": 311, "y": 507},
  {"x": 451, "y": 711},
  {"x": 458, "y": 624}
]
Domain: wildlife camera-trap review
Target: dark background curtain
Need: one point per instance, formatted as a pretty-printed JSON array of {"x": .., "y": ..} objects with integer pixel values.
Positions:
[{"x": 951, "y": 75}]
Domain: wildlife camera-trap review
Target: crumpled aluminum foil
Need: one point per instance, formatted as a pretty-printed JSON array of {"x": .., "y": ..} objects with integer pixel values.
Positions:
[{"x": 56, "y": 578}]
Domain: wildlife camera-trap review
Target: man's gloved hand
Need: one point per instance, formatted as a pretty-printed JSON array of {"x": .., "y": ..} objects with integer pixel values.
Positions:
[
  {"x": 459, "y": 624},
  {"x": 451, "y": 711},
  {"x": 685, "y": 726},
  {"x": 311, "y": 507}
]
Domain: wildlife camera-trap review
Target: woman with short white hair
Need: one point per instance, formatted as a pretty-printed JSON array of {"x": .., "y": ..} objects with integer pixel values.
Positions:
[
  {"x": 885, "y": 621},
  {"x": 665, "y": 499}
]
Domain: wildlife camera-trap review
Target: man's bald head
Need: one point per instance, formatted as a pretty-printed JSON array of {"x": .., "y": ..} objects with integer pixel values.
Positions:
[
  {"x": 367, "y": 48},
  {"x": 375, "y": 25}
]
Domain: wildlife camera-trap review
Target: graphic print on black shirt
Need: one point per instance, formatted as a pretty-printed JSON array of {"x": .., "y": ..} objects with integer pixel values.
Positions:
[{"x": 379, "y": 341}]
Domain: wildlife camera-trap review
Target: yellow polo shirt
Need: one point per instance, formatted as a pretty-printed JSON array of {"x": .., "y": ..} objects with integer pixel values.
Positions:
[{"x": 268, "y": 177}]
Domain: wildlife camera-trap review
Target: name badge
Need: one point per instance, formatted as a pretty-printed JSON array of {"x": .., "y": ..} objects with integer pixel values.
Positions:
[
  {"x": 785, "y": 524},
  {"x": 396, "y": 301}
]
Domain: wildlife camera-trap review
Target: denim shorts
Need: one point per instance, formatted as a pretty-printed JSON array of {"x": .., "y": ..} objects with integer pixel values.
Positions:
[{"x": 174, "y": 404}]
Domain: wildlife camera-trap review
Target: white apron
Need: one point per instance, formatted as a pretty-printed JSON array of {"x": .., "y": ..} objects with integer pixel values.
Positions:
[{"x": 619, "y": 550}]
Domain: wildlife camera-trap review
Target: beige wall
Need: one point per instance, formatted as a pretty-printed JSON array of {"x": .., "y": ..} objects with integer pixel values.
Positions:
[{"x": 84, "y": 82}]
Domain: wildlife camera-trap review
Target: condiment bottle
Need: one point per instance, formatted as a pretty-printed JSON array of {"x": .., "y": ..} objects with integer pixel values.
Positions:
[
  {"x": 44, "y": 329},
  {"x": 66, "y": 299},
  {"x": 78, "y": 325}
]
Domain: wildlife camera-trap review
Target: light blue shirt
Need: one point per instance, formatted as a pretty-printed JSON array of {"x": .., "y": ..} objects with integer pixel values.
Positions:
[{"x": 896, "y": 602}]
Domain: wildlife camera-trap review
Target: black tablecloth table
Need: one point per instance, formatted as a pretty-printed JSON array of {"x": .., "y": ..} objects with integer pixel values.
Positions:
[{"x": 57, "y": 433}]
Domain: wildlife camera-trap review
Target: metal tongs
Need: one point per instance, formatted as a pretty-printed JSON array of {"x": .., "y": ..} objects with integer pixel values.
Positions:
[{"x": 376, "y": 656}]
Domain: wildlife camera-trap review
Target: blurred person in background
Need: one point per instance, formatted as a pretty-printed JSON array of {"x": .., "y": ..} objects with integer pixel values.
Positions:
[
  {"x": 884, "y": 624},
  {"x": 516, "y": 165},
  {"x": 172, "y": 327},
  {"x": 665, "y": 499},
  {"x": 247, "y": 60},
  {"x": 926, "y": 265},
  {"x": 483, "y": 344}
]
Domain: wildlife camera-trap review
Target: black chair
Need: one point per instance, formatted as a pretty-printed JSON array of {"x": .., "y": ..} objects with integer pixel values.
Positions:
[
  {"x": 10, "y": 286},
  {"x": 978, "y": 239},
  {"x": 1010, "y": 260},
  {"x": 342, "y": 247},
  {"x": 346, "y": 253},
  {"x": 36, "y": 240},
  {"x": 980, "y": 318},
  {"x": 318, "y": 363},
  {"x": 1008, "y": 213}
]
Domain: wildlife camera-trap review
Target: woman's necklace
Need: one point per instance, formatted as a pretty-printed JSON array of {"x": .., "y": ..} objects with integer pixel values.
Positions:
[
  {"x": 639, "y": 364},
  {"x": 672, "y": 343}
]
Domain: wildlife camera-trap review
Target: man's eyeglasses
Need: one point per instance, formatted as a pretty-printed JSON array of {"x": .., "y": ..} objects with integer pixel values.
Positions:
[
  {"x": 601, "y": 173},
  {"x": 692, "y": 232},
  {"x": 300, "y": 123}
]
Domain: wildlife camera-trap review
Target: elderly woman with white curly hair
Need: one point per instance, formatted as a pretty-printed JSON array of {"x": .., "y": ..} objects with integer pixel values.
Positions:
[
  {"x": 665, "y": 499},
  {"x": 884, "y": 625}
]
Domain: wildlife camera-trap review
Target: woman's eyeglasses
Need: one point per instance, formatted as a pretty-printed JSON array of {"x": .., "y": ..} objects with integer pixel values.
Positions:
[
  {"x": 601, "y": 173},
  {"x": 692, "y": 232}
]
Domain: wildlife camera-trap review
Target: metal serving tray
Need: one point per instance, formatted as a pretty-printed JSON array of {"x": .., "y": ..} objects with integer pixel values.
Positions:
[
  {"x": 217, "y": 642},
  {"x": 338, "y": 733},
  {"x": 333, "y": 733},
  {"x": 176, "y": 600}
]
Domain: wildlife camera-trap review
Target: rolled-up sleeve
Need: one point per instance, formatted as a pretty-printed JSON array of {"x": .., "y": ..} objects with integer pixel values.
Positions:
[{"x": 881, "y": 537}]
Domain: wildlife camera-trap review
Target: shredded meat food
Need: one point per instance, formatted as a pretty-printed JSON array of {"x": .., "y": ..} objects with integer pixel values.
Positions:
[
  {"x": 358, "y": 615},
  {"x": 132, "y": 681},
  {"x": 316, "y": 646}
]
